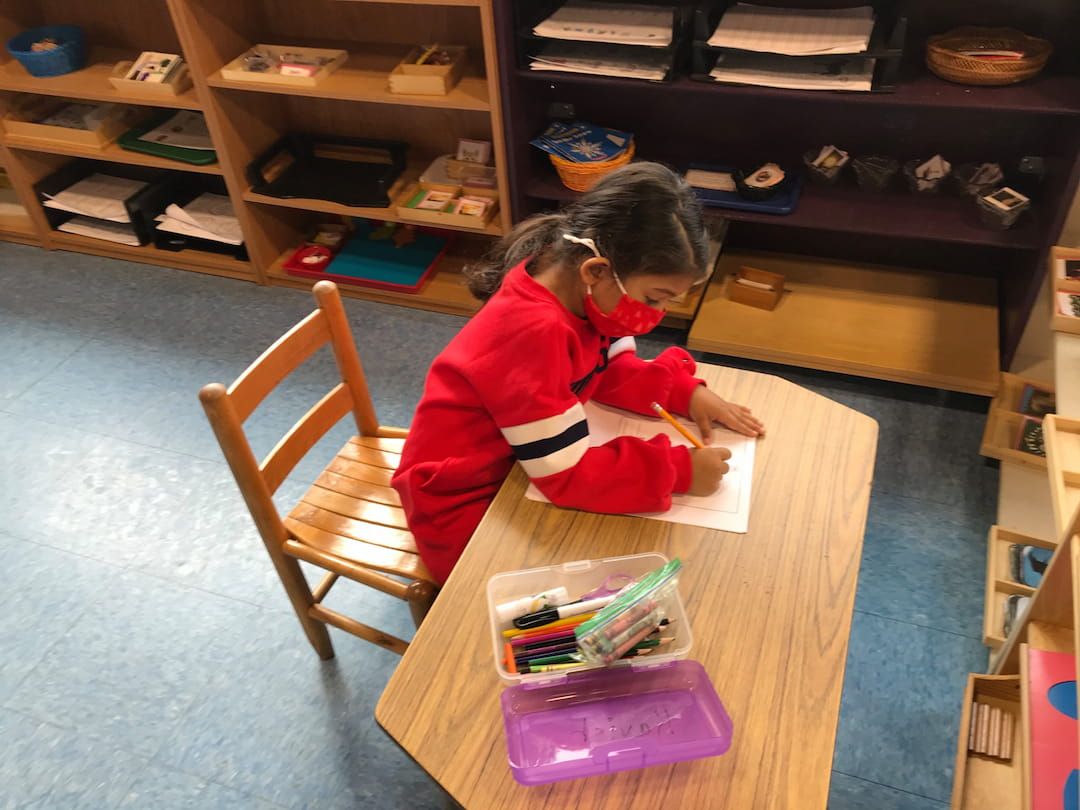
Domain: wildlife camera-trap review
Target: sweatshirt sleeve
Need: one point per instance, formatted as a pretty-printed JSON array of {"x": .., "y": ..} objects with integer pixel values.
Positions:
[
  {"x": 634, "y": 384},
  {"x": 544, "y": 422}
]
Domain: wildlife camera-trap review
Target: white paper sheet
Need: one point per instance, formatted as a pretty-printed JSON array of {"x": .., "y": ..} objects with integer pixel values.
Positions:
[
  {"x": 609, "y": 22},
  {"x": 100, "y": 196},
  {"x": 100, "y": 229},
  {"x": 208, "y": 216},
  {"x": 765, "y": 71},
  {"x": 728, "y": 509},
  {"x": 793, "y": 31},
  {"x": 598, "y": 60},
  {"x": 186, "y": 129}
]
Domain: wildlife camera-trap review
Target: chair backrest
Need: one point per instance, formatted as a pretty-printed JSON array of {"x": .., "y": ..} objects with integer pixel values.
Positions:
[{"x": 228, "y": 408}]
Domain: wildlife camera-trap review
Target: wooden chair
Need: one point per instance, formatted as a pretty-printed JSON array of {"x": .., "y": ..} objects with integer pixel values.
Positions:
[{"x": 350, "y": 522}]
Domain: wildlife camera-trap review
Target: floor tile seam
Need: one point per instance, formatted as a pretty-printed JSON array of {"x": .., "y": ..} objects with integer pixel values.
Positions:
[
  {"x": 131, "y": 568},
  {"x": 944, "y": 803},
  {"x": 41, "y": 377},
  {"x": 44, "y": 543},
  {"x": 973, "y": 637},
  {"x": 161, "y": 761},
  {"x": 880, "y": 489}
]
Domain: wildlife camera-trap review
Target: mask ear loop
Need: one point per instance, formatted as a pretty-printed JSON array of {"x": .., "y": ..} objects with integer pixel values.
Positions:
[{"x": 591, "y": 245}]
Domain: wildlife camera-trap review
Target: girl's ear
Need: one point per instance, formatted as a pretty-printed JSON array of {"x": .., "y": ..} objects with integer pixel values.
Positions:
[{"x": 593, "y": 269}]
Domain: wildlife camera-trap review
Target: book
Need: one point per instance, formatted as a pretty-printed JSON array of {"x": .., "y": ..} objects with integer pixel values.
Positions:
[
  {"x": 1029, "y": 436},
  {"x": 1052, "y": 709},
  {"x": 581, "y": 142},
  {"x": 1036, "y": 401}
]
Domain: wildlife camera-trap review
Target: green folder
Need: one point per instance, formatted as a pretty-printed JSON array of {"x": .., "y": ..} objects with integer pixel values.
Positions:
[{"x": 130, "y": 140}]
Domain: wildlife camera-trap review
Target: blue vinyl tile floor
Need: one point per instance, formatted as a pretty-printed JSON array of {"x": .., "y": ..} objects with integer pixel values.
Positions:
[{"x": 148, "y": 655}]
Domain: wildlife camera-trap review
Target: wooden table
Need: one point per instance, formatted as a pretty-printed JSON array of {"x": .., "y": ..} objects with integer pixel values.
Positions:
[{"x": 770, "y": 612}]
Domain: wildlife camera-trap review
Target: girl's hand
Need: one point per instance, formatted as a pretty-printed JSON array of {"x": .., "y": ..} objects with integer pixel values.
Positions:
[
  {"x": 706, "y": 408},
  {"x": 710, "y": 466}
]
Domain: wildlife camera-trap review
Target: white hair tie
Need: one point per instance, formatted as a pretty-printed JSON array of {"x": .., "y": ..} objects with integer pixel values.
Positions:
[{"x": 589, "y": 243}]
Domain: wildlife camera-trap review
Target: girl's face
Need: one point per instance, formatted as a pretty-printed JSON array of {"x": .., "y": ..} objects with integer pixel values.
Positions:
[{"x": 654, "y": 290}]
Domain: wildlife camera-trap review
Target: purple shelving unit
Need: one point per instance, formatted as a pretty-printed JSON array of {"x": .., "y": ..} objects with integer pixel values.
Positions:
[{"x": 684, "y": 121}]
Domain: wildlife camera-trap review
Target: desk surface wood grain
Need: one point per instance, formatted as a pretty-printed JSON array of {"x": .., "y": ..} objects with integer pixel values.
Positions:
[{"x": 770, "y": 612}]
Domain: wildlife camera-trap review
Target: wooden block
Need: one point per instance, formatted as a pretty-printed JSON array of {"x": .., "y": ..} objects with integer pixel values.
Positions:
[
  {"x": 180, "y": 83},
  {"x": 973, "y": 726},
  {"x": 994, "y": 746},
  {"x": 1008, "y": 726},
  {"x": 982, "y": 737},
  {"x": 756, "y": 288}
]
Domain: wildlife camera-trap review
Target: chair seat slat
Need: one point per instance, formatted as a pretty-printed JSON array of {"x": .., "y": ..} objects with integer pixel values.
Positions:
[
  {"x": 379, "y": 443},
  {"x": 353, "y": 529},
  {"x": 379, "y": 558},
  {"x": 361, "y": 472},
  {"x": 356, "y": 508},
  {"x": 355, "y": 488},
  {"x": 370, "y": 455}
]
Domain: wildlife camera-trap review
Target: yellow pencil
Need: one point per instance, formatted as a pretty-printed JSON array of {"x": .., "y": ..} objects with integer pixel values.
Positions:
[{"x": 694, "y": 440}]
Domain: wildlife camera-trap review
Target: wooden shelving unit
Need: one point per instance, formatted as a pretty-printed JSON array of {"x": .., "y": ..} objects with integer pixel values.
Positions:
[
  {"x": 1062, "y": 438},
  {"x": 246, "y": 118},
  {"x": 981, "y": 781},
  {"x": 897, "y": 324}
]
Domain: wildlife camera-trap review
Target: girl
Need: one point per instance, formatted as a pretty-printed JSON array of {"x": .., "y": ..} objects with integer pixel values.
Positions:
[{"x": 563, "y": 302}]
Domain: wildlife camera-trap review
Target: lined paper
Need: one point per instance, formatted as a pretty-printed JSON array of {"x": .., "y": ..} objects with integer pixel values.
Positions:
[
  {"x": 793, "y": 31},
  {"x": 626, "y": 24}
]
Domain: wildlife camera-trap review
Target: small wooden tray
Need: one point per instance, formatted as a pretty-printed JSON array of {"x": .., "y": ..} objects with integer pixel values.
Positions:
[
  {"x": 1003, "y": 421},
  {"x": 22, "y": 118},
  {"x": 1060, "y": 322},
  {"x": 235, "y": 69},
  {"x": 755, "y": 296},
  {"x": 444, "y": 218},
  {"x": 180, "y": 83},
  {"x": 1058, "y": 255},
  {"x": 980, "y": 781},
  {"x": 1062, "y": 437},
  {"x": 409, "y": 78},
  {"x": 999, "y": 581}
]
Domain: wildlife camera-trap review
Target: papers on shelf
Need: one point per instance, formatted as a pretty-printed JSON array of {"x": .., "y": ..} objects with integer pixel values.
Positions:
[
  {"x": 778, "y": 71},
  {"x": 208, "y": 216},
  {"x": 621, "y": 23},
  {"x": 728, "y": 509},
  {"x": 99, "y": 229},
  {"x": 600, "y": 60},
  {"x": 186, "y": 129},
  {"x": 100, "y": 196},
  {"x": 794, "y": 31}
]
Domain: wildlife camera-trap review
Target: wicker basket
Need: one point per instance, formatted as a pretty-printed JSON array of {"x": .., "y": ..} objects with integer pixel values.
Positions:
[
  {"x": 943, "y": 57},
  {"x": 583, "y": 176}
]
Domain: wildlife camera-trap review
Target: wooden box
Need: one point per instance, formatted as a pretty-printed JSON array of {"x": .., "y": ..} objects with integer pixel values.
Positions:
[
  {"x": 763, "y": 290},
  {"x": 1059, "y": 320},
  {"x": 1000, "y": 582},
  {"x": 235, "y": 69},
  {"x": 1062, "y": 437},
  {"x": 1058, "y": 256},
  {"x": 1003, "y": 422},
  {"x": 180, "y": 83},
  {"x": 21, "y": 117},
  {"x": 980, "y": 781},
  {"x": 446, "y": 218},
  {"x": 410, "y": 78}
]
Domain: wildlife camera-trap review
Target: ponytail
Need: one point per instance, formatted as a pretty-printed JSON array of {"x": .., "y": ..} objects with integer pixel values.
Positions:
[{"x": 527, "y": 239}]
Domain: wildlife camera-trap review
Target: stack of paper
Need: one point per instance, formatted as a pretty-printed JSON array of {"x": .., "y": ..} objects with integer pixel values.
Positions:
[
  {"x": 208, "y": 216},
  {"x": 600, "y": 60},
  {"x": 778, "y": 71},
  {"x": 100, "y": 196},
  {"x": 187, "y": 130},
  {"x": 794, "y": 31},
  {"x": 100, "y": 229},
  {"x": 620, "y": 23}
]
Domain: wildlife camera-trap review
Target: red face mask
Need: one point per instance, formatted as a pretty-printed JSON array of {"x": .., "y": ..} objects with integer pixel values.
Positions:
[{"x": 629, "y": 317}]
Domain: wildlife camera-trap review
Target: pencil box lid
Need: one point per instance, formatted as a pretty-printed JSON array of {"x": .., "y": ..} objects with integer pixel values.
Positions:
[{"x": 616, "y": 719}]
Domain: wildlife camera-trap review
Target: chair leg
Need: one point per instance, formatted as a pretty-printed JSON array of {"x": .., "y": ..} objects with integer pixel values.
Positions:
[
  {"x": 421, "y": 596},
  {"x": 296, "y": 586}
]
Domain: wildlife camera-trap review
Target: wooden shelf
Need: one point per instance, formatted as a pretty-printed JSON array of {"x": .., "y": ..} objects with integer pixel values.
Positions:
[
  {"x": 444, "y": 291},
  {"x": 212, "y": 263},
  {"x": 18, "y": 228},
  {"x": 1000, "y": 582},
  {"x": 112, "y": 153},
  {"x": 91, "y": 83},
  {"x": 365, "y": 77},
  {"x": 847, "y": 209},
  {"x": 980, "y": 781},
  {"x": 1003, "y": 421},
  {"x": 388, "y": 214},
  {"x": 1062, "y": 437},
  {"x": 910, "y": 326},
  {"x": 1045, "y": 94}
]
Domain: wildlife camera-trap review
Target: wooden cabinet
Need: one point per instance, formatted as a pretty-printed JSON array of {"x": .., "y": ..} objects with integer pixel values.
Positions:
[
  {"x": 891, "y": 285},
  {"x": 245, "y": 118}
]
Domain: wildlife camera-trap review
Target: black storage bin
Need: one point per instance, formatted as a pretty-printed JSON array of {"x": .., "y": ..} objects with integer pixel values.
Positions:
[
  {"x": 142, "y": 206},
  {"x": 186, "y": 189}
]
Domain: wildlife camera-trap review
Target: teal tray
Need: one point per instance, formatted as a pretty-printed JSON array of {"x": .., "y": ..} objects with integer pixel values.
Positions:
[{"x": 130, "y": 141}]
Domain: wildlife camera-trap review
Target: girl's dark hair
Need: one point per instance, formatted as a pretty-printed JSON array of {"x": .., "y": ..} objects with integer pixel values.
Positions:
[{"x": 643, "y": 217}]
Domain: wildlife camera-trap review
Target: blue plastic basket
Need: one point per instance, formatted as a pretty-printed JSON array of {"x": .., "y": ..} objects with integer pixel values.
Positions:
[{"x": 68, "y": 55}]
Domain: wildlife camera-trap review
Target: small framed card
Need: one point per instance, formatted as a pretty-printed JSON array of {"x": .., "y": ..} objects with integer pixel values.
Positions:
[
  {"x": 1006, "y": 199},
  {"x": 473, "y": 151},
  {"x": 1029, "y": 438}
]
